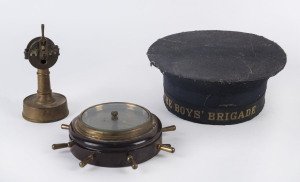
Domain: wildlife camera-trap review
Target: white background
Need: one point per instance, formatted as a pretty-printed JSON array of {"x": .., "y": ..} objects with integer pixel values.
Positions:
[{"x": 103, "y": 58}]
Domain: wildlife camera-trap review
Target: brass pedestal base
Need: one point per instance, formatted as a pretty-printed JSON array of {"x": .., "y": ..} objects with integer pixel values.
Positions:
[{"x": 45, "y": 113}]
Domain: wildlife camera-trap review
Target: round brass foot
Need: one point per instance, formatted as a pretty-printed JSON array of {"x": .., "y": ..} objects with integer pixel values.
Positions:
[{"x": 36, "y": 112}]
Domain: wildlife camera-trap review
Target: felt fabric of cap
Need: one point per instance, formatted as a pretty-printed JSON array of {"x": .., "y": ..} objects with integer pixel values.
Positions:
[{"x": 216, "y": 77}]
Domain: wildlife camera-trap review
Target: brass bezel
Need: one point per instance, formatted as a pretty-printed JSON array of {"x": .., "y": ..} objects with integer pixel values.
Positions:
[{"x": 103, "y": 135}]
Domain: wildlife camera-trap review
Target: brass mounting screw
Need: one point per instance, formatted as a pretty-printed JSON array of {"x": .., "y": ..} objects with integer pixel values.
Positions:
[
  {"x": 166, "y": 147},
  {"x": 87, "y": 160},
  {"x": 62, "y": 145},
  {"x": 133, "y": 164},
  {"x": 65, "y": 126},
  {"x": 169, "y": 128}
]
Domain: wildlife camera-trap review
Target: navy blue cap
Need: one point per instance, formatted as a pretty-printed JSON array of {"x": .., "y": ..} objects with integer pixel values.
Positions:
[{"x": 216, "y": 77}]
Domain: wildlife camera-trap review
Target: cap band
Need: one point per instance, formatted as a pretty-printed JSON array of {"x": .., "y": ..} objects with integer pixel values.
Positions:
[{"x": 216, "y": 116}]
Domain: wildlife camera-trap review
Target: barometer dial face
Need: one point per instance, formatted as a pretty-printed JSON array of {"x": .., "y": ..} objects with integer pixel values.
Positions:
[{"x": 115, "y": 116}]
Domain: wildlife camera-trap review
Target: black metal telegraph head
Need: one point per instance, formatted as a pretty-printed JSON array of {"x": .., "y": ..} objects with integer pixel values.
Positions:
[{"x": 41, "y": 52}]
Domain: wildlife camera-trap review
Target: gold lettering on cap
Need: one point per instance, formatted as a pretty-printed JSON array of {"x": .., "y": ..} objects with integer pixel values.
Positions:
[
  {"x": 211, "y": 116},
  {"x": 170, "y": 103},
  {"x": 253, "y": 110},
  {"x": 182, "y": 110},
  {"x": 189, "y": 111},
  {"x": 233, "y": 116},
  {"x": 241, "y": 115},
  {"x": 166, "y": 98},
  {"x": 248, "y": 112},
  {"x": 176, "y": 107},
  {"x": 197, "y": 114},
  {"x": 220, "y": 116},
  {"x": 226, "y": 116}
]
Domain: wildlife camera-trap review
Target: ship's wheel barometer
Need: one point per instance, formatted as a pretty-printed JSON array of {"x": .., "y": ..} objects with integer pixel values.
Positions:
[{"x": 115, "y": 134}]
